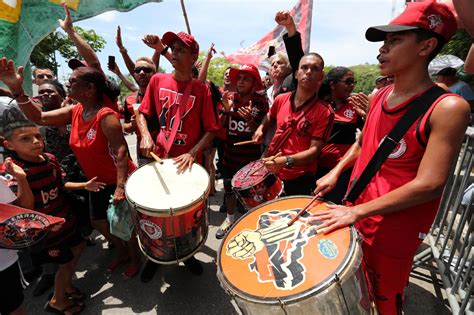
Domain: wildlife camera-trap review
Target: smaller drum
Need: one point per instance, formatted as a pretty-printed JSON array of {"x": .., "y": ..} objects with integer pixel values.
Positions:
[
  {"x": 269, "y": 267},
  {"x": 254, "y": 184},
  {"x": 169, "y": 210}
]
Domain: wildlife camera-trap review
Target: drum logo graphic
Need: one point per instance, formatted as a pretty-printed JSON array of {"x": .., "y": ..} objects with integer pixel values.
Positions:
[
  {"x": 23, "y": 230},
  {"x": 151, "y": 229},
  {"x": 283, "y": 244},
  {"x": 328, "y": 249}
]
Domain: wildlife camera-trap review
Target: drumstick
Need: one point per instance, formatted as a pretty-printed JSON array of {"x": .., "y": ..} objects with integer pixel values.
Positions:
[
  {"x": 153, "y": 155},
  {"x": 263, "y": 165},
  {"x": 246, "y": 142},
  {"x": 298, "y": 215}
]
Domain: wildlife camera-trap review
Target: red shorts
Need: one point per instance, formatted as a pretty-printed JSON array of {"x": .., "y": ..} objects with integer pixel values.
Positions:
[{"x": 387, "y": 276}]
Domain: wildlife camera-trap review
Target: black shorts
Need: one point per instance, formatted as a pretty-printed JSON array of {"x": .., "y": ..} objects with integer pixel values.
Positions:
[
  {"x": 99, "y": 202},
  {"x": 58, "y": 254},
  {"x": 12, "y": 293}
]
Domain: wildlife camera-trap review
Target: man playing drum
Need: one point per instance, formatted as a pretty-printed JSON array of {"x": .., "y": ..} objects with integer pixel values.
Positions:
[
  {"x": 399, "y": 204},
  {"x": 304, "y": 124},
  {"x": 178, "y": 98},
  {"x": 243, "y": 112}
]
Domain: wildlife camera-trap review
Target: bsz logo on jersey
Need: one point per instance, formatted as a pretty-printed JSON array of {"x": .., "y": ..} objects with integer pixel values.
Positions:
[
  {"x": 23, "y": 230},
  {"x": 284, "y": 246}
]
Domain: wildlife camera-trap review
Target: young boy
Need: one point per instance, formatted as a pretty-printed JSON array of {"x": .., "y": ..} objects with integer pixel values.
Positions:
[
  {"x": 240, "y": 118},
  {"x": 398, "y": 206},
  {"x": 44, "y": 177}
]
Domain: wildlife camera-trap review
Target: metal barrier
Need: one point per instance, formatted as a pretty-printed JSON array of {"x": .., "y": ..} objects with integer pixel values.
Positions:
[{"x": 451, "y": 237}]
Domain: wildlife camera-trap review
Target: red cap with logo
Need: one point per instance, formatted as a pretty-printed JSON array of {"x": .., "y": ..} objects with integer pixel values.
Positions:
[
  {"x": 431, "y": 16},
  {"x": 185, "y": 38},
  {"x": 248, "y": 69}
]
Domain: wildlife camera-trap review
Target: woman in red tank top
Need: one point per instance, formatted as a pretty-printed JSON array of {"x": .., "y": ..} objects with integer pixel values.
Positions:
[{"x": 98, "y": 143}]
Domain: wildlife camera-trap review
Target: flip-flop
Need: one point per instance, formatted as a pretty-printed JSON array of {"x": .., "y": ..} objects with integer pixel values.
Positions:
[
  {"x": 131, "y": 271},
  {"x": 49, "y": 309},
  {"x": 76, "y": 295},
  {"x": 114, "y": 264}
]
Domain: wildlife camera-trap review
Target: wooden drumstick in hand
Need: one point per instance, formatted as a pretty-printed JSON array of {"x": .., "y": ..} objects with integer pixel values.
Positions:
[
  {"x": 245, "y": 142},
  {"x": 298, "y": 215},
  {"x": 153, "y": 155}
]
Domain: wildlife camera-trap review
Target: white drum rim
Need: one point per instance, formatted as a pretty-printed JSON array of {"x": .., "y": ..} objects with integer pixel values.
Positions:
[
  {"x": 156, "y": 212},
  {"x": 330, "y": 280}
]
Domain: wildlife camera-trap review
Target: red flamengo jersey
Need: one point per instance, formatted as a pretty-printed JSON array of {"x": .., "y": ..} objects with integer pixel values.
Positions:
[
  {"x": 343, "y": 135},
  {"x": 235, "y": 157},
  {"x": 396, "y": 234},
  {"x": 161, "y": 100},
  {"x": 91, "y": 147},
  {"x": 316, "y": 124}
]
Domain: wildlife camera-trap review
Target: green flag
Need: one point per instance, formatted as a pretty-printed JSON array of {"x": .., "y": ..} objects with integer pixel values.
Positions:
[{"x": 24, "y": 23}]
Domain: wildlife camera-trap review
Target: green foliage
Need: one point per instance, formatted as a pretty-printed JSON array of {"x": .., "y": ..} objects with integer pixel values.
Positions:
[
  {"x": 216, "y": 69},
  {"x": 43, "y": 54},
  {"x": 365, "y": 76}
]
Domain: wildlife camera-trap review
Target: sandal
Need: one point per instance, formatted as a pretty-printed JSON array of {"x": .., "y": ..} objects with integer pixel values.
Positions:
[
  {"x": 131, "y": 271},
  {"x": 117, "y": 262},
  {"x": 49, "y": 309},
  {"x": 76, "y": 295}
]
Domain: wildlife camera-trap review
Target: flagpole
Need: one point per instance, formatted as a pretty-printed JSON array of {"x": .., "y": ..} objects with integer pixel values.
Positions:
[{"x": 185, "y": 16}]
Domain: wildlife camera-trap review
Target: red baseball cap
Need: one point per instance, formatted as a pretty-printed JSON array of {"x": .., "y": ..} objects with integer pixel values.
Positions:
[
  {"x": 185, "y": 38},
  {"x": 431, "y": 16},
  {"x": 248, "y": 69}
]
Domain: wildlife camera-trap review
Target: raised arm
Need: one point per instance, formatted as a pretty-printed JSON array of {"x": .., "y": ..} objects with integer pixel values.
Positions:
[
  {"x": 32, "y": 109},
  {"x": 128, "y": 84},
  {"x": 84, "y": 49},
  {"x": 205, "y": 66},
  {"x": 126, "y": 57},
  {"x": 292, "y": 39},
  {"x": 154, "y": 41},
  {"x": 24, "y": 195}
]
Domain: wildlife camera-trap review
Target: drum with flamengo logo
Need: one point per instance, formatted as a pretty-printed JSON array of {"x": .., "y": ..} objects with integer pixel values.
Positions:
[
  {"x": 268, "y": 267},
  {"x": 169, "y": 210},
  {"x": 253, "y": 184}
]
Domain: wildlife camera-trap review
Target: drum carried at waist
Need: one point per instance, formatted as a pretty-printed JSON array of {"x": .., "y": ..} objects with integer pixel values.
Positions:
[
  {"x": 169, "y": 210},
  {"x": 269, "y": 267},
  {"x": 254, "y": 184}
]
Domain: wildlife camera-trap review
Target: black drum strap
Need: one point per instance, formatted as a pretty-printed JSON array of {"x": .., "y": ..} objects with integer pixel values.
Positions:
[{"x": 417, "y": 108}]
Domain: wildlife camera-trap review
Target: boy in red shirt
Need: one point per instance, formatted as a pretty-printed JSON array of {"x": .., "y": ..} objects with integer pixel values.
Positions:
[
  {"x": 45, "y": 179},
  {"x": 241, "y": 116},
  {"x": 399, "y": 204}
]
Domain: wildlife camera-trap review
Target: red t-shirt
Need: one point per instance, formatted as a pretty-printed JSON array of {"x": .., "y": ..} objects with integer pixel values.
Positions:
[
  {"x": 161, "y": 99},
  {"x": 91, "y": 147},
  {"x": 342, "y": 137},
  {"x": 396, "y": 234},
  {"x": 236, "y": 157},
  {"x": 316, "y": 123}
]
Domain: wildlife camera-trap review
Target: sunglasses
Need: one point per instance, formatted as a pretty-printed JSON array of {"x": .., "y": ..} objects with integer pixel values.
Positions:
[
  {"x": 42, "y": 76},
  {"x": 146, "y": 70},
  {"x": 348, "y": 81}
]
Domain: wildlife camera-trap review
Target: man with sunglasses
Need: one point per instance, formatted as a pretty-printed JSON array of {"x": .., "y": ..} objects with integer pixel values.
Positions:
[{"x": 163, "y": 97}]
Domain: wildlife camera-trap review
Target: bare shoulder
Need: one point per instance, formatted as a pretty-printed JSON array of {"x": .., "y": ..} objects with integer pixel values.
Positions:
[{"x": 451, "y": 112}]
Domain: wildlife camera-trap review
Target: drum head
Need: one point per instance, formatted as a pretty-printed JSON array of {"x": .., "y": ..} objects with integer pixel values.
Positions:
[
  {"x": 158, "y": 187},
  {"x": 263, "y": 260},
  {"x": 249, "y": 175}
]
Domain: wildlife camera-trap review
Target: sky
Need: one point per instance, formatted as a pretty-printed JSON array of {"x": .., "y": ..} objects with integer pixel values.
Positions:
[{"x": 337, "y": 33}]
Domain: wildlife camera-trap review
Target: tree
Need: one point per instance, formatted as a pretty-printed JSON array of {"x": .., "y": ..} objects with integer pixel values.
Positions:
[
  {"x": 459, "y": 46},
  {"x": 44, "y": 56},
  {"x": 216, "y": 69}
]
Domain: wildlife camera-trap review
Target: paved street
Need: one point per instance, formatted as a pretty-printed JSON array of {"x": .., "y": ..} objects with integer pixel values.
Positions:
[{"x": 174, "y": 290}]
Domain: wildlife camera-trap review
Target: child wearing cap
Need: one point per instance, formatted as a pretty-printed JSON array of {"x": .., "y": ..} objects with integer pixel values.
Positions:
[
  {"x": 397, "y": 207},
  {"x": 243, "y": 112}
]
